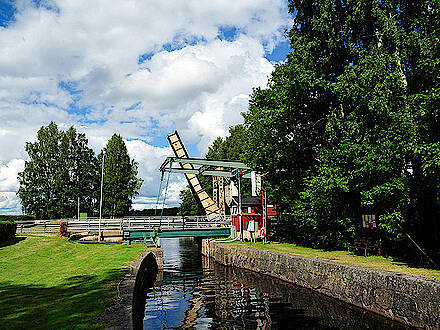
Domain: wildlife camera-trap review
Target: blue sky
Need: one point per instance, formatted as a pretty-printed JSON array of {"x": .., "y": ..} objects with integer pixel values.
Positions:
[{"x": 138, "y": 68}]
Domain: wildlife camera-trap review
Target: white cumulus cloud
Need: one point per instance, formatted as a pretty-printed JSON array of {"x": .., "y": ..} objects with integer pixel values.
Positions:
[
  {"x": 8, "y": 175},
  {"x": 137, "y": 68}
]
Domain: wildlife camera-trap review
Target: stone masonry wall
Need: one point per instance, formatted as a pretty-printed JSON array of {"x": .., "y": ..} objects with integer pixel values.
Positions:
[{"x": 411, "y": 300}]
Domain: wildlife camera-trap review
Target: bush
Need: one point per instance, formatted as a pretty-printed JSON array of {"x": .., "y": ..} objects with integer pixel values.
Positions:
[
  {"x": 16, "y": 217},
  {"x": 7, "y": 230}
]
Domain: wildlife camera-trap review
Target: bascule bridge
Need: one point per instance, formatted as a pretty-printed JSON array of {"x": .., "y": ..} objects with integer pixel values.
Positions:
[{"x": 250, "y": 222}]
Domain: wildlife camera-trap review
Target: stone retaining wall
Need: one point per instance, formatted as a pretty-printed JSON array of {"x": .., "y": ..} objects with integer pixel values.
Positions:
[
  {"x": 124, "y": 312},
  {"x": 412, "y": 300}
]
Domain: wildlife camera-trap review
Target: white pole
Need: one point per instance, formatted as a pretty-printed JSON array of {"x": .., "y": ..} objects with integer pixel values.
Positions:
[
  {"x": 100, "y": 202},
  {"x": 78, "y": 208},
  {"x": 263, "y": 191}
]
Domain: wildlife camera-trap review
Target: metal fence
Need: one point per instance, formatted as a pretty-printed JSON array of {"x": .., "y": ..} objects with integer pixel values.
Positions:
[{"x": 125, "y": 223}]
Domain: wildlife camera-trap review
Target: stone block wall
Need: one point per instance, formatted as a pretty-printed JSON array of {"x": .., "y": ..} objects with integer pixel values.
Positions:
[{"x": 412, "y": 300}]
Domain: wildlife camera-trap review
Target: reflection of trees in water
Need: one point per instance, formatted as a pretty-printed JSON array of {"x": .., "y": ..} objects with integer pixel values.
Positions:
[
  {"x": 265, "y": 301},
  {"x": 235, "y": 304},
  {"x": 190, "y": 259},
  {"x": 207, "y": 293}
]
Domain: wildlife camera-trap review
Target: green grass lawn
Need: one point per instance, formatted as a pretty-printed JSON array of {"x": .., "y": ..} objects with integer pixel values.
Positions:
[
  {"x": 378, "y": 262},
  {"x": 49, "y": 282}
]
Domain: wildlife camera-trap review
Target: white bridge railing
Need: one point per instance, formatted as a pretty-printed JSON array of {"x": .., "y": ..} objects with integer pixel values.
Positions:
[{"x": 127, "y": 223}]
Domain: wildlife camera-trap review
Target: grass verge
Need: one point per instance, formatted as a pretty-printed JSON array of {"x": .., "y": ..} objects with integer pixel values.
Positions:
[
  {"x": 377, "y": 262},
  {"x": 49, "y": 282}
]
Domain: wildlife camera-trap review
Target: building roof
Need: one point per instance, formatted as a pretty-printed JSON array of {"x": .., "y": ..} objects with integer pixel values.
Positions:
[{"x": 248, "y": 200}]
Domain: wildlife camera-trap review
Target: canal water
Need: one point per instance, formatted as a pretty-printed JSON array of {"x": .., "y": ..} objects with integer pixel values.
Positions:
[{"x": 195, "y": 292}]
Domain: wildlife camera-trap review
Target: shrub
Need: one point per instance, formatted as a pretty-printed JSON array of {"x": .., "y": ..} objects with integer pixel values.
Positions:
[
  {"x": 16, "y": 217},
  {"x": 7, "y": 230}
]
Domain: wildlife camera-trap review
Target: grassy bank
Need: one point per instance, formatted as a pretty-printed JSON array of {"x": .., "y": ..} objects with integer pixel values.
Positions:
[
  {"x": 49, "y": 282},
  {"x": 378, "y": 262}
]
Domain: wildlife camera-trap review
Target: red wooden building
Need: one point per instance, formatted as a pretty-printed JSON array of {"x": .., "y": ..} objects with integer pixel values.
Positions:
[{"x": 252, "y": 213}]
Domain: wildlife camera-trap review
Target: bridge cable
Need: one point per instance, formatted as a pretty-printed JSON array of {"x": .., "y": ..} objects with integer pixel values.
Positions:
[
  {"x": 165, "y": 195},
  {"x": 158, "y": 194}
]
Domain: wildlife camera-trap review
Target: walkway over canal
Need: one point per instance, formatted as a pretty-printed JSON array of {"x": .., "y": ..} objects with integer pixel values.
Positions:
[
  {"x": 139, "y": 227},
  {"x": 168, "y": 227}
]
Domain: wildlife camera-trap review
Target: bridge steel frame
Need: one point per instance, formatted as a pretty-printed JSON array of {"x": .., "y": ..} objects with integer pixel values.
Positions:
[
  {"x": 222, "y": 168},
  {"x": 208, "y": 167}
]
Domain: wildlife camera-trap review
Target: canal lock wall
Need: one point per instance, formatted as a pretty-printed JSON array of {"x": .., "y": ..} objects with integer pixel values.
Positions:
[
  {"x": 412, "y": 300},
  {"x": 128, "y": 309}
]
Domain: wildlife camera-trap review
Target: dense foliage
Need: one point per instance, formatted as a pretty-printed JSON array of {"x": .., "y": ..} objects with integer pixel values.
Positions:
[
  {"x": 7, "y": 230},
  {"x": 120, "y": 178},
  {"x": 189, "y": 205},
  {"x": 62, "y": 169},
  {"x": 231, "y": 147},
  {"x": 16, "y": 217},
  {"x": 349, "y": 124}
]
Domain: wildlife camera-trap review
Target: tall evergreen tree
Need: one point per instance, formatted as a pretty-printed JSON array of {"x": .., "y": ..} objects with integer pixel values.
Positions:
[
  {"x": 120, "y": 178},
  {"x": 80, "y": 174}
]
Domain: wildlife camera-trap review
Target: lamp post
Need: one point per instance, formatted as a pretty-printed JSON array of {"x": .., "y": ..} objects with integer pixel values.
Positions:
[{"x": 100, "y": 202}]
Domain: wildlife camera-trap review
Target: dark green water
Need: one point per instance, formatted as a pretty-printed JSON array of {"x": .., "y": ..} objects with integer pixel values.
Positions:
[{"x": 197, "y": 293}]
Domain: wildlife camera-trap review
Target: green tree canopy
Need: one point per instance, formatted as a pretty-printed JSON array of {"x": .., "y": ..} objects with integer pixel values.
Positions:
[
  {"x": 61, "y": 168},
  {"x": 80, "y": 172},
  {"x": 349, "y": 125},
  {"x": 188, "y": 204},
  {"x": 231, "y": 147},
  {"x": 121, "y": 184}
]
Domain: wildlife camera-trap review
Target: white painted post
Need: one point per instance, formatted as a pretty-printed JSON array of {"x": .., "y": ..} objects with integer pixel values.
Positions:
[
  {"x": 100, "y": 202},
  {"x": 264, "y": 207}
]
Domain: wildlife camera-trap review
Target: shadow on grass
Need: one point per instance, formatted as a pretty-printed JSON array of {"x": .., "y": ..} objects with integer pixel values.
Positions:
[
  {"x": 417, "y": 261},
  {"x": 409, "y": 255},
  {"x": 74, "y": 304},
  {"x": 12, "y": 241}
]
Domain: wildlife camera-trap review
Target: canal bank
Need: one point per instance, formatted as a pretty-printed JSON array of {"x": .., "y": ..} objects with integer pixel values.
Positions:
[
  {"x": 126, "y": 312},
  {"x": 411, "y": 300},
  {"x": 196, "y": 292}
]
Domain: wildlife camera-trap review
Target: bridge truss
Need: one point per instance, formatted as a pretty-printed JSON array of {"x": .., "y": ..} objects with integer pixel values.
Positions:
[{"x": 220, "y": 170}]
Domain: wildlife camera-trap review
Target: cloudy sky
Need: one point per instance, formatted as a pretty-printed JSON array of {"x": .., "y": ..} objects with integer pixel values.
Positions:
[{"x": 138, "y": 68}]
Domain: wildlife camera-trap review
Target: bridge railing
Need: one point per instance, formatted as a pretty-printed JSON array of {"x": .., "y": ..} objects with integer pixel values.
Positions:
[{"x": 126, "y": 223}]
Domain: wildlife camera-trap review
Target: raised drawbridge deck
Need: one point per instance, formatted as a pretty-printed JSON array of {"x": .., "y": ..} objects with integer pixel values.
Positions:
[{"x": 211, "y": 208}]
